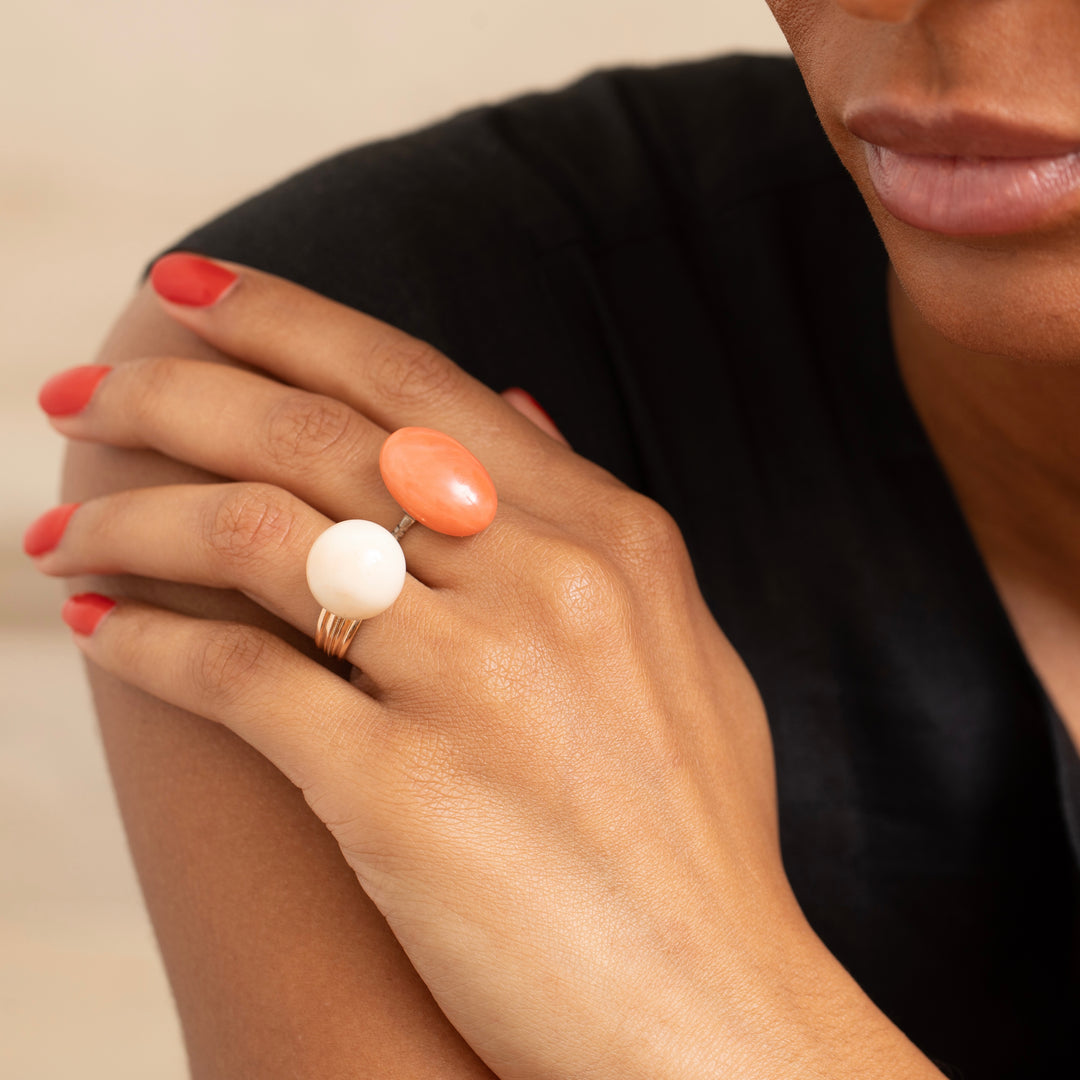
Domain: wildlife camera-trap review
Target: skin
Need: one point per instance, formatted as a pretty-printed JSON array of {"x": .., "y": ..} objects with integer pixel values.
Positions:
[{"x": 435, "y": 831}]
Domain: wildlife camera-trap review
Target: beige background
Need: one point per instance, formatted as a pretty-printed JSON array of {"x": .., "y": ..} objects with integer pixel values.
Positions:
[{"x": 126, "y": 122}]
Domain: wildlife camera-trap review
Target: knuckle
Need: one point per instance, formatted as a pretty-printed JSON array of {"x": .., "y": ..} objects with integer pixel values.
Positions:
[
  {"x": 585, "y": 592},
  {"x": 154, "y": 378},
  {"x": 302, "y": 427},
  {"x": 251, "y": 522},
  {"x": 411, "y": 372},
  {"x": 640, "y": 534},
  {"x": 228, "y": 660}
]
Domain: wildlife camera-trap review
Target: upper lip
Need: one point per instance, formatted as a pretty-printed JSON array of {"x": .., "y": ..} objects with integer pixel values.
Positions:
[{"x": 954, "y": 133}]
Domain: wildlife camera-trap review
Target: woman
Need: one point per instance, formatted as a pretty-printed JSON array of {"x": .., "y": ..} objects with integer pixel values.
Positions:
[{"x": 550, "y": 771}]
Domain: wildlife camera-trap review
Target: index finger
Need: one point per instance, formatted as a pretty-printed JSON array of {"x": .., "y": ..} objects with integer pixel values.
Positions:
[{"x": 318, "y": 344}]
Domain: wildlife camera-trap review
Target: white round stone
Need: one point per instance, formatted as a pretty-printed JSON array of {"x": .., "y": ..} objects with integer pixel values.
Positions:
[{"x": 356, "y": 569}]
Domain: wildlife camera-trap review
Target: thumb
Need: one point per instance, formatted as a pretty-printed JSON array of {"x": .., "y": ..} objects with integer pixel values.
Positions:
[{"x": 531, "y": 409}]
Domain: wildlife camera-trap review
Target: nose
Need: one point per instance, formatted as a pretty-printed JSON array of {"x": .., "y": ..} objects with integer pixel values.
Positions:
[{"x": 894, "y": 11}]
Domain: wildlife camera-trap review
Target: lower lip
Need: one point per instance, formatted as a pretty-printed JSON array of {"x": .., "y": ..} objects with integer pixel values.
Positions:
[{"x": 974, "y": 196}]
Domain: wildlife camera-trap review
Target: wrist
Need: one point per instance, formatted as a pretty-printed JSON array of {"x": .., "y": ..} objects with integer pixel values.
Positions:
[{"x": 775, "y": 1003}]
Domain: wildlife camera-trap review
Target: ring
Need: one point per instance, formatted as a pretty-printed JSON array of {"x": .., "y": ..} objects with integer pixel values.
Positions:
[{"x": 356, "y": 568}]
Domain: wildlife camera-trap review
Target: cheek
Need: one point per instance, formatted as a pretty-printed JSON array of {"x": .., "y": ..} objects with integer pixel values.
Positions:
[
  {"x": 881, "y": 10},
  {"x": 796, "y": 18},
  {"x": 830, "y": 49}
]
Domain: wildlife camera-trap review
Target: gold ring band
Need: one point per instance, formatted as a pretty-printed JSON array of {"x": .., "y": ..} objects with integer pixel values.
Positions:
[{"x": 335, "y": 634}]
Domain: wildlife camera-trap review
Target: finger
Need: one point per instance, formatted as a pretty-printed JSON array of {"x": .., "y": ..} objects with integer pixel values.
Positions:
[
  {"x": 237, "y": 424},
  {"x": 254, "y": 538},
  {"x": 309, "y": 723},
  {"x": 316, "y": 343},
  {"x": 233, "y": 423}
]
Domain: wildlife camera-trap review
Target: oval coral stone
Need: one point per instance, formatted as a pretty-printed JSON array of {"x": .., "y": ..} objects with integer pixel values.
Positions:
[{"x": 437, "y": 481}]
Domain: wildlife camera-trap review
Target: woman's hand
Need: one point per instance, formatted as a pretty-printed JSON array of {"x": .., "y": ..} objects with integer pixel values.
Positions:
[{"x": 549, "y": 769}]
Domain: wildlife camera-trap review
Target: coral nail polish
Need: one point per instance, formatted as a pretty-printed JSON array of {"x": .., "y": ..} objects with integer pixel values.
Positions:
[
  {"x": 532, "y": 401},
  {"x": 44, "y": 534},
  {"x": 70, "y": 391},
  {"x": 84, "y": 612},
  {"x": 190, "y": 279},
  {"x": 539, "y": 417}
]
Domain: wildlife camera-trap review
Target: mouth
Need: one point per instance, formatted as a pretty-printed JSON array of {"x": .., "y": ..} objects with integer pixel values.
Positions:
[{"x": 961, "y": 174}]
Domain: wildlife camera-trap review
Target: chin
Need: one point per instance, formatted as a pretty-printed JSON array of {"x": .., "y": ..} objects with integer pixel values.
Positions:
[{"x": 1017, "y": 297}]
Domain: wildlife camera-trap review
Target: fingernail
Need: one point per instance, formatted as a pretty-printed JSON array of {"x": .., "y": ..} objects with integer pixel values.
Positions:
[
  {"x": 45, "y": 533},
  {"x": 526, "y": 394},
  {"x": 68, "y": 393},
  {"x": 190, "y": 279},
  {"x": 83, "y": 613}
]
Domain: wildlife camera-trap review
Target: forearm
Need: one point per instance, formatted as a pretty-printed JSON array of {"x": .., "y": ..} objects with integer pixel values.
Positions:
[{"x": 279, "y": 965}]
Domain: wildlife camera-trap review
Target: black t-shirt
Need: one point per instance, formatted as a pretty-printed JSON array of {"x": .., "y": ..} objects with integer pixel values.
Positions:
[{"x": 674, "y": 262}]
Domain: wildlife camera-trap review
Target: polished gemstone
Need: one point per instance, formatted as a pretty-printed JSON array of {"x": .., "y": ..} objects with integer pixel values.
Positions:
[
  {"x": 437, "y": 481},
  {"x": 356, "y": 569}
]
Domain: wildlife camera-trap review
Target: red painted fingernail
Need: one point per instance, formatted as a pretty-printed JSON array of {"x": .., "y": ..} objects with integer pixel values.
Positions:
[
  {"x": 190, "y": 279},
  {"x": 45, "y": 533},
  {"x": 83, "y": 613},
  {"x": 525, "y": 393},
  {"x": 68, "y": 392}
]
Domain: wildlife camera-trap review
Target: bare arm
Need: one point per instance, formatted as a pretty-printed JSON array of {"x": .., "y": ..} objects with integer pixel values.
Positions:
[{"x": 280, "y": 965}]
